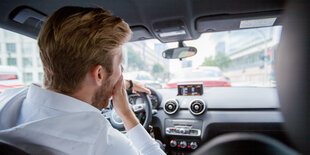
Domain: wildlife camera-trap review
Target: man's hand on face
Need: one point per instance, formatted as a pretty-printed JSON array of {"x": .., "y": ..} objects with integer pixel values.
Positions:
[{"x": 121, "y": 105}]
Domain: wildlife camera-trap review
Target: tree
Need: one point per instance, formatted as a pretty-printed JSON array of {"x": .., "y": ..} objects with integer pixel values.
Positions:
[
  {"x": 209, "y": 61},
  {"x": 157, "y": 68},
  {"x": 134, "y": 60},
  {"x": 220, "y": 60}
]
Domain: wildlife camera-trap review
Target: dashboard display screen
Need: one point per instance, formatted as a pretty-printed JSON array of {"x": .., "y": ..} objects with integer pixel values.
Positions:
[{"x": 190, "y": 89}]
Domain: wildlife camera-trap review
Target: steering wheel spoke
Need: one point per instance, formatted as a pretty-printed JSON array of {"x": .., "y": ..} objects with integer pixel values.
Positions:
[{"x": 138, "y": 108}]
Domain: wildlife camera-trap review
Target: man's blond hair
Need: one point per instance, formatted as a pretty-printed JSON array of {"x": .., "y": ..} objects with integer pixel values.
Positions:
[{"x": 73, "y": 40}]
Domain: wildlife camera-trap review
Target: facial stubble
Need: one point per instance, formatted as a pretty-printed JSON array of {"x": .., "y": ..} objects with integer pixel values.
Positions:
[{"x": 101, "y": 98}]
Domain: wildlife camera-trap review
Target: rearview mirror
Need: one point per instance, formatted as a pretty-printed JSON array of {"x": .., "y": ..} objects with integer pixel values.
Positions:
[{"x": 179, "y": 53}]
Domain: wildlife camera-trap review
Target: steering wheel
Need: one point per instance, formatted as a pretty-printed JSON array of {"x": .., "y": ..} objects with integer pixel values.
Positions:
[{"x": 140, "y": 109}]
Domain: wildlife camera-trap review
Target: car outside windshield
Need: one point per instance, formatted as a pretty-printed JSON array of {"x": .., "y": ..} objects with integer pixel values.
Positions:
[{"x": 238, "y": 58}]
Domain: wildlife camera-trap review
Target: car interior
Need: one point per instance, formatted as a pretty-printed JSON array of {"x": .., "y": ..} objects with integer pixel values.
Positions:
[{"x": 219, "y": 120}]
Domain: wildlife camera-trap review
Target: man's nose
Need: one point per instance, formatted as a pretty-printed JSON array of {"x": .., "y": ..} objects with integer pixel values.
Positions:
[{"x": 122, "y": 68}]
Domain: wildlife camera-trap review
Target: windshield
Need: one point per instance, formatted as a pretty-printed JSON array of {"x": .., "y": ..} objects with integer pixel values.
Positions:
[
  {"x": 196, "y": 74},
  {"x": 238, "y": 58}
]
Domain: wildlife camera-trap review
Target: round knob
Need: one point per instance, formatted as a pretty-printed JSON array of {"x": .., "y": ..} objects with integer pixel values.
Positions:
[
  {"x": 183, "y": 144},
  {"x": 173, "y": 143},
  {"x": 196, "y": 107},
  {"x": 182, "y": 131},
  {"x": 193, "y": 145},
  {"x": 170, "y": 107}
]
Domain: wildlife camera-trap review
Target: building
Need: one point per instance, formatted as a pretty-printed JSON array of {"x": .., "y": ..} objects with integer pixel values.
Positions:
[
  {"x": 21, "y": 52},
  {"x": 149, "y": 52},
  {"x": 220, "y": 47},
  {"x": 252, "y": 53}
]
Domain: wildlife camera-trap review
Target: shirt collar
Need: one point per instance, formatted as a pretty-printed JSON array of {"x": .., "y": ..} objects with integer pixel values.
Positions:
[{"x": 43, "y": 97}]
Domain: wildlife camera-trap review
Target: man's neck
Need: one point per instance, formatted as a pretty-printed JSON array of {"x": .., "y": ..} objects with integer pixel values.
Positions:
[{"x": 84, "y": 95}]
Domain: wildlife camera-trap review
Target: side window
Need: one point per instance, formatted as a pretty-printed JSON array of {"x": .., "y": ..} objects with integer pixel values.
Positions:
[
  {"x": 21, "y": 53},
  {"x": 10, "y": 48},
  {"x": 11, "y": 61},
  {"x": 27, "y": 77},
  {"x": 27, "y": 62},
  {"x": 27, "y": 49},
  {"x": 40, "y": 77}
]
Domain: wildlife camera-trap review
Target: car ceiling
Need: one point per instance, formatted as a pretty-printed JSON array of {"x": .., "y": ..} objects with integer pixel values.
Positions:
[{"x": 148, "y": 18}]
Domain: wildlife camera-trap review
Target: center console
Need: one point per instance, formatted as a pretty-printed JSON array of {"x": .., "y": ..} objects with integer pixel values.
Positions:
[{"x": 183, "y": 135}]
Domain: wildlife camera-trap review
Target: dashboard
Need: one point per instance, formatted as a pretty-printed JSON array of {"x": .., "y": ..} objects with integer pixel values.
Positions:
[{"x": 185, "y": 122}]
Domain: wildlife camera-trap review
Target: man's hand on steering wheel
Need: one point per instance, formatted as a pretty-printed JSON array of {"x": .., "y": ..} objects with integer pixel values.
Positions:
[{"x": 137, "y": 87}]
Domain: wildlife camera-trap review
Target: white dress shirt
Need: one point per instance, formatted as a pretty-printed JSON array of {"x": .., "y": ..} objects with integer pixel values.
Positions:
[{"x": 40, "y": 121}]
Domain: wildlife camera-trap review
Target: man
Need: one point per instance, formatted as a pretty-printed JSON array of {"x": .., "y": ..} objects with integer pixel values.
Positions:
[{"x": 81, "y": 54}]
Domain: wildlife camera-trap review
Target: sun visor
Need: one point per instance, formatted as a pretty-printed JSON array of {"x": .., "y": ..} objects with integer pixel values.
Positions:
[
  {"x": 237, "y": 21},
  {"x": 140, "y": 33}
]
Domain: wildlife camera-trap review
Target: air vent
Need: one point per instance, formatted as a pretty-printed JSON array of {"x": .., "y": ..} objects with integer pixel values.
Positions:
[
  {"x": 171, "y": 106},
  {"x": 197, "y": 107}
]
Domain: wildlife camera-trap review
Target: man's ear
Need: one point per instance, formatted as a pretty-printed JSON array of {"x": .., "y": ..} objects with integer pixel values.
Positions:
[{"x": 98, "y": 74}]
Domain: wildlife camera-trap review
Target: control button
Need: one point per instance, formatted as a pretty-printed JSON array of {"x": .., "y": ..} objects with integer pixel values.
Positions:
[
  {"x": 196, "y": 107},
  {"x": 183, "y": 144},
  {"x": 168, "y": 130},
  {"x": 186, "y": 131},
  {"x": 193, "y": 132},
  {"x": 182, "y": 131},
  {"x": 194, "y": 145},
  {"x": 170, "y": 107},
  {"x": 173, "y": 143}
]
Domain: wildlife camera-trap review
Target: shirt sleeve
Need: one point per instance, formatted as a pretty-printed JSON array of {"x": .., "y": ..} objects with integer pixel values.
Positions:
[{"x": 143, "y": 141}]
